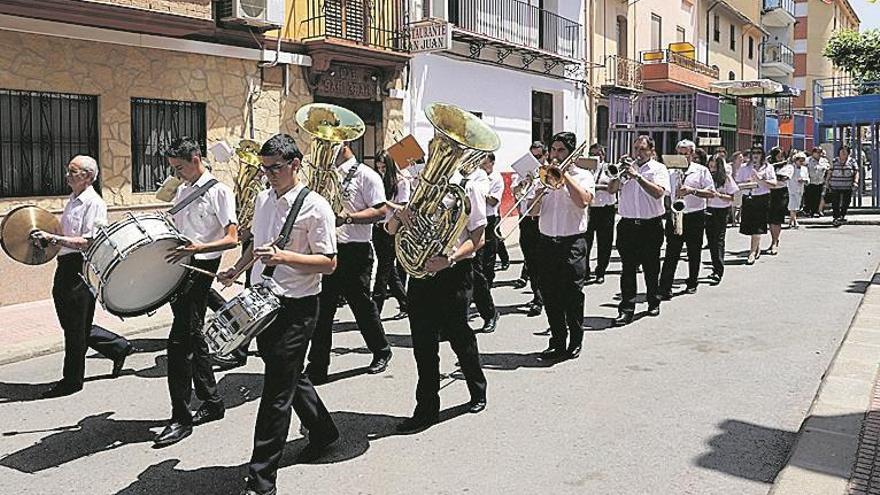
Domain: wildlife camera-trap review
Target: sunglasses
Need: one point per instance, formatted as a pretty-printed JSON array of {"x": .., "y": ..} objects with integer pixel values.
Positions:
[{"x": 274, "y": 168}]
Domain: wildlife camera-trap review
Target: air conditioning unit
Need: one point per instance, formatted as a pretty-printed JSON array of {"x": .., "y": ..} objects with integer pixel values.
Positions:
[{"x": 262, "y": 14}]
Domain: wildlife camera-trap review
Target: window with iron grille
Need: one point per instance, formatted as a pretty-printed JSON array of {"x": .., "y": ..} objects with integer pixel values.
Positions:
[
  {"x": 154, "y": 124},
  {"x": 39, "y": 134},
  {"x": 542, "y": 117}
]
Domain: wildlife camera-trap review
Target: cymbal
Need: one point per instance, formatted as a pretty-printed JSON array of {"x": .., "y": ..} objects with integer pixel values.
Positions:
[{"x": 15, "y": 235}]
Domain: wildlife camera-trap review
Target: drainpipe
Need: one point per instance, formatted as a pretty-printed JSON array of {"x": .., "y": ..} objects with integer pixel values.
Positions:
[{"x": 589, "y": 12}]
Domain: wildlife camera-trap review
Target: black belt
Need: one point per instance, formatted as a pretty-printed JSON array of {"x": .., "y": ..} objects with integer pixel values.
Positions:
[
  {"x": 71, "y": 258},
  {"x": 641, "y": 221},
  {"x": 561, "y": 239}
]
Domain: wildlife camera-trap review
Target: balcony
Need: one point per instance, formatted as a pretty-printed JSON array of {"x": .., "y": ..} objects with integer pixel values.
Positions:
[
  {"x": 669, "y": 71},
  {"x": 379, "y": 25},
  {"x": 515, "y": 24},
  {"x": 778, "y": 13},
  {"x": 777, "y": 60},
  {"x": 622, "y": 74}
]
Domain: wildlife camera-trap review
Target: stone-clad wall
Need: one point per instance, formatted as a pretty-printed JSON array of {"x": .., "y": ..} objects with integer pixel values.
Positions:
[{"x": 190, "y": 8}]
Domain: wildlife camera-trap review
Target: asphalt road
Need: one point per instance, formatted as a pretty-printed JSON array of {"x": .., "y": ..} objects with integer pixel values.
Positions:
[{"x": 705, "y": 399}]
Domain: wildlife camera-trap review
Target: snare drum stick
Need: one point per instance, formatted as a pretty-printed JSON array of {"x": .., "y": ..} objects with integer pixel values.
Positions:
[{"x": 206, "y": 272}]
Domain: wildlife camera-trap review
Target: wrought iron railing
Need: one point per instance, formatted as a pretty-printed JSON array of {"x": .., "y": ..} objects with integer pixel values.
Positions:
[
  {"x": 154, "y": 124},
  {"x": 374, "y": 23},
  {"x": 775, "y": 53},
  {"x": 787, "y": 5},
  {"x": 518, "y": 23},
  {"x": 622, "y": 72},
  {"x": 670, "y": 57}
]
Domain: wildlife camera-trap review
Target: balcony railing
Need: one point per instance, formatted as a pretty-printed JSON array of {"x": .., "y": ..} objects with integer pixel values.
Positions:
[
  {"x": 518, "y": 23},
  {"x": 375, "y": 23},
  {"x": 670, "y": 57},
  {"x": 787, "y": 5},
  {"x": 622, "y": 72},
  {"x": 776, "y": 53}
]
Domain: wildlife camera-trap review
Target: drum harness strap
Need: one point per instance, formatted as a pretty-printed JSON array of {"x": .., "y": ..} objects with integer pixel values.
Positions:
[
  {"x": 288, "y": 226},
  {"x": 199, "y": 191}
]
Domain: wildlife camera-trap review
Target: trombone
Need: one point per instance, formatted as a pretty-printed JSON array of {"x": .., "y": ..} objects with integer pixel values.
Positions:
[{"x": 549, "y": 177}]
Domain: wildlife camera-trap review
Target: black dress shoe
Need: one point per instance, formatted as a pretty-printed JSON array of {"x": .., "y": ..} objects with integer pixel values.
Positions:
[
  {"x": 552, "y": 353},
  {"x": 209, "y": 412},
  {"x": 477, "y": 406},
  {"x": 691, "y": 290},
  {"x": 417, "y": 422},
  {"x": 317, "y": 448},
  {"x": 119, "y": 362},
  {"x": 574, "y": 351},
  {"x": 316, "y": 376},
  {"x": 623, "y": 319},
  {"x": 227, "y": 363},
  {"x": 600, "y": 279},
  {"x": 519, "y": 283},
  {"x": 490, "y": 324},
  {"x": 172, "y": 434},
  {"x": 379, "y": 363},
  {"x": 61, "y": 389},
  {"x": 535, "y": 309},
  {"x": 655, "y": 311},
  {"x": 505, "y": 266},
  {"x": 666, "y": 296},
  {"x": 250, "y": 491}
]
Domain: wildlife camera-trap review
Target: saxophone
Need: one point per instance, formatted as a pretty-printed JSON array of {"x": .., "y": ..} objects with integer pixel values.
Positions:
[
  {"x": 248, "y": 183},
  {"x": 330, "y": 127},
  {"x": 461, "y": 141}
]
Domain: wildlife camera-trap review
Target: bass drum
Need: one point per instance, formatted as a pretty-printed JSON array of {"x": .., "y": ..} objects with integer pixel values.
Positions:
[
  {"x": 126, "y": 268},
  {"x": 242, "y": 318}
]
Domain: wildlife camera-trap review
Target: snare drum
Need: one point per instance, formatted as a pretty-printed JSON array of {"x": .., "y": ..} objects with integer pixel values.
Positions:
[
  {"x": 242, "y": 318},
  {"x": 125, "y": 265}
]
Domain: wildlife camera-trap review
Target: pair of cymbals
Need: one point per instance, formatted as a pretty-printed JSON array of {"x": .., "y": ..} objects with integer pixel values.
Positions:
[{"x": 16, "y": 235}]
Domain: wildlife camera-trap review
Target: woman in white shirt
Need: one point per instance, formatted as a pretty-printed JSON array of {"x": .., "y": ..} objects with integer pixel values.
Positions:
[
  {"x": 718, "y": 208},
  {"x": 754, "y": 179},
  {"x": 778, "y": 196},
  {"x": 796, "y": 187},
  {"x": 397, "y": 190}
]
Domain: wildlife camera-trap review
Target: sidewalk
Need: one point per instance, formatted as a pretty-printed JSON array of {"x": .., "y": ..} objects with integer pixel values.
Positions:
[
  {"x": 32, "y": 329},
  {"x": 837, "y": 451}
]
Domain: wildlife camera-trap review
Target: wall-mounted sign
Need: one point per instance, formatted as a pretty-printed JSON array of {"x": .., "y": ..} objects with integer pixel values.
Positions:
[
  {"x": 431, "y": 35},
  {"x": 352, "y": 82},
  {"x": 709, "y": 141}
]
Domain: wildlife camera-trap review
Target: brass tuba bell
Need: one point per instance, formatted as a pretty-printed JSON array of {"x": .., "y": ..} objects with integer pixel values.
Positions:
[
  {"x": 330, "y": 127},
  {"x": 248, "y": 182}
]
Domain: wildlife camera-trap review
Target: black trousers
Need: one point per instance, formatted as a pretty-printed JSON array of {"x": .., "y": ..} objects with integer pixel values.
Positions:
[
  {"x": 692, "y": 238},
  {"x": 563, "y": 274},
  {"x": 351, "y": 279},
  {"x": 528, "y": 242},
  {"x": 387, "y": 278},
  {"x": 189, "y": 363},
  {"x": 503, "y": 255},
  {"x": 716, "y": 234},
  {"x": 600, "y": 227},
  {"x": 812, "y": 197},
  {"x": 75, "y": 307},
  {"x": 283, "y": 347},
  {"x": 484, "y": 271},
  {"x": 639, "y": 243},
  {"x": 840, "y": 200},
  {"x": 439, "y": 304}
]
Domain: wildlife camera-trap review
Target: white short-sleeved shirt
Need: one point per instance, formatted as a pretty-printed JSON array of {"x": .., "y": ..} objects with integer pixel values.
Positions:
[
  {"x": 696, "y": 177},
  {"x": 205, "y": 219},
  {"x": 560, "y": 217},
  {"x": 635, "y": 202},
  {"x": 529, "y": 196},
  {"x": 476, "y": 187},
  {"x": 496, "y": 190},
  {"x": 782, "y": 172},
  {"x": 313, "y": 232},
  {"x": 401, "y": 197},
  {"x": 729, "y": 188},
  {"x": 744, "y": 174},
  {"x": 82, "y": 217},
  {"x": 363, "y": 189},
  {"x": 800, "y": 178},
  {"x": 602, "y": 196}
]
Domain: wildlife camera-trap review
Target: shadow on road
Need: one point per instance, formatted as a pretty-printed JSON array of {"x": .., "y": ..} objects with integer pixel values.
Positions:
[
  {"x": 22, "y": 392},
  {"x": 510, "y": 361},
  {"x": 861, "y": 286}
]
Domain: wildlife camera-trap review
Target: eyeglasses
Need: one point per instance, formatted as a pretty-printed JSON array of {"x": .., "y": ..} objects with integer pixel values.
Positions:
[
  {"x": 74, "y": 174},
  {"x": 274, "y": 168}
]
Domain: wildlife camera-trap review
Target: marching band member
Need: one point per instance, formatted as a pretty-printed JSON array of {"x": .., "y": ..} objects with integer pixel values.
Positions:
[
  {"x": 310, "y": 251},
  {"x": 778, "y": 197},
  {"x": 364, "y": 198},
  {"x": 439, "y": 305},
  {"x": 211, "y": 224},
  {"x": 562, "y": 223},
  {"x": 484, "y": 263},
  {"x": 528, "y": 232},
  {"x": 640, "y": 229},
  {"x": 717, "y": 212},
  {"x": 397, "y": 188},
  {"x": 602, "y": 212},
  {"x": 693, "y": 187},
  {"x": 84, "y": 212},
  {"x": 755, "y": 179}
]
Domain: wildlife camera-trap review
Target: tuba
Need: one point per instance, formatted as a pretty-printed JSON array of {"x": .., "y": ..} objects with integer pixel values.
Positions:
[
  {"x": 330, "y": 127},
  {"x": 248, "y": 183},
  {"x": 460, "y": 142}
]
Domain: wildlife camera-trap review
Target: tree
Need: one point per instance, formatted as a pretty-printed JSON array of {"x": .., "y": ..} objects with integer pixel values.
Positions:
[{"x": 857, "y": 53}]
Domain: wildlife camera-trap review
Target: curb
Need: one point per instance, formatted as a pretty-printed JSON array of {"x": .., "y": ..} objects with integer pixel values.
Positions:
[{"x": 823, "y": 455}]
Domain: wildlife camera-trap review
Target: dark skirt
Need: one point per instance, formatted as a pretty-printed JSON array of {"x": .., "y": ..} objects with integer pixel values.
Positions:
[
  {"x": 778, "y": 206},
  {"x": 754, "y": 214}
]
